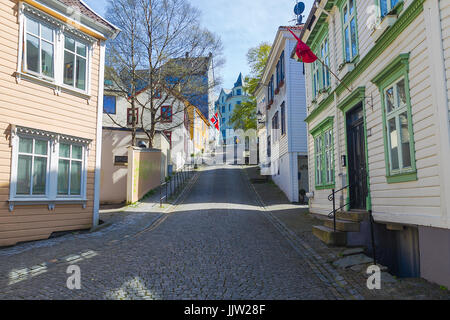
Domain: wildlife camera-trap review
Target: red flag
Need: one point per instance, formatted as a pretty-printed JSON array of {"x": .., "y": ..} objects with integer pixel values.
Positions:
[
  {"x": 303, "y": 53},
  {"x": 215, "y": 121}
]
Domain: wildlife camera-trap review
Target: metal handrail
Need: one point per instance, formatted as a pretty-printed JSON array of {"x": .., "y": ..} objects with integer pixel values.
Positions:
[
  {"x": 332, "y": 197},
  {"x": 174, "y": 183}
]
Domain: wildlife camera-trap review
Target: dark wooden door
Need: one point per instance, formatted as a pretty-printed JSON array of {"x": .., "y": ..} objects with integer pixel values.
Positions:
[{"x": 357, "y": 167}]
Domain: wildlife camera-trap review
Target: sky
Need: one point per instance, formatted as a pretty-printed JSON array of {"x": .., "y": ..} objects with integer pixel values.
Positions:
[{"x": 241, "y": 24}]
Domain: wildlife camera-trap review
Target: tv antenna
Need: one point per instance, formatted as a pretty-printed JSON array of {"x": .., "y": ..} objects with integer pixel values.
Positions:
[{"x": 298, "y": 10}]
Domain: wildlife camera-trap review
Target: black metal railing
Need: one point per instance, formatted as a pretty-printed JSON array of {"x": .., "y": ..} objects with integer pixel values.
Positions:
[
  {"x": 174, "y": 182},
  {"x": 332, "y": 197}
]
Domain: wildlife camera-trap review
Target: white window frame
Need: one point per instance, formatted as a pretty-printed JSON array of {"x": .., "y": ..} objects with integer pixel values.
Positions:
[
  {"x": 70, "y": 159},
  {"x": 389, "y": 7},
  {"x": 51, "y": 195},
  {"x": 324, "y": 48},
  {"x": 54, "y": 43},
  {"x": 60, "y": 31},
  {"x": 88, "y": 63}
]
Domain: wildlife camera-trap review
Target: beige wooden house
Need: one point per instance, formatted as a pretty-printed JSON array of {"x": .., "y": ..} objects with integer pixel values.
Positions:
[
  {"x": 51, "y": 92},
  {"x": 383, "y": 132}
]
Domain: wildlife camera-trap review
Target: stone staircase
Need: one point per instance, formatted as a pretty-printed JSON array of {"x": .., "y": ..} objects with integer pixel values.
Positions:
[{"x": 346, "y": 221}]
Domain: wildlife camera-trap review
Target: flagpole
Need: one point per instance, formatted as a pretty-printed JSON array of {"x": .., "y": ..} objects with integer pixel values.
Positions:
[{"x": 328, "y": 68}]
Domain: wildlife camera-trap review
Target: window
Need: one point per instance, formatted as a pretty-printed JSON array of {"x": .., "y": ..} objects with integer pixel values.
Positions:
[
  {"x": 32, "y": 166},
  {"x": 229, "y": 107},
  {"x": 132, "y": 117},
  {"x": 398, "y": 133},
  {"x": 269, "y": 149},
  {"x": 109, "y": 104},
  {"x": 39, "y": 49},
  {"x": 283, "y": 118},
  {"x": 386, "y": 6},
  {"x": 166, "y": 114},
  {"x": 349, "y": 30},
  {"x": 247, "y": 143},
  {"x": 223, "y": 121},
  {"x": 239, "y": 102},
  {"x": 75, "y": 63},
  {"x": 280, "y": 70},
  {"x": 325, "y": 55},
  {"x": 168, "y": 134},
  {"x": 324, "y": 154},
  {"x": 271, "y": 89},
  {"x": 47, "y": 167},
  {"x": 70, "y": 168},
  {"x": 275, "y": 126},
  {"x": 238, "y": 92},
  {"x": 223, "y": 109},
  {"x": 315, "y": 78}
]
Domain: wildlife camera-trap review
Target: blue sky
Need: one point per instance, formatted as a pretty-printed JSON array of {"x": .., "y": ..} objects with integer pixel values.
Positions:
[{"x": 241, "y": 24}]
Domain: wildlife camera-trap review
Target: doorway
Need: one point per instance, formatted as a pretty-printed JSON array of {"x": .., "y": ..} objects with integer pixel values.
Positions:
[{"x": 356, "y": 153}]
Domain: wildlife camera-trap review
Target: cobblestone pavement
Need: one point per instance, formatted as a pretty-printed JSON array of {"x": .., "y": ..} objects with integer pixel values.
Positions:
[
  {"x": 217, "y": 243},
  {"x": 296, "y": 223}
]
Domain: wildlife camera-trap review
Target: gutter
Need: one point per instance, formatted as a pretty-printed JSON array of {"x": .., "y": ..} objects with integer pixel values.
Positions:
[{"x": 98, "y": 142}]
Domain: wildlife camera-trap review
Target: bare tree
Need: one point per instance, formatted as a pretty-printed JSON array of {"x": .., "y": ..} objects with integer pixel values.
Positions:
[{"x": 163, "y": 51}]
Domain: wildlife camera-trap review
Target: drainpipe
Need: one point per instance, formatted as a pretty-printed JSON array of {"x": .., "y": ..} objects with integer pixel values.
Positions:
[{"x": 98, "y": 141}]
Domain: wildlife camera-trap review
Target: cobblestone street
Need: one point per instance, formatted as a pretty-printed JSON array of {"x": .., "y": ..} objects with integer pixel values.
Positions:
[{"x": 217, "y": 242}]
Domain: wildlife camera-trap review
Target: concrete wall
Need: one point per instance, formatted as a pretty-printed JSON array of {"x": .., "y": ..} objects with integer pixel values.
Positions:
[{"x": 144, "y": 172}]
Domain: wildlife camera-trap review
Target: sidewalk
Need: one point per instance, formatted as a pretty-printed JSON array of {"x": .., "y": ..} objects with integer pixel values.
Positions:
[{"x": 295, "y": 221}]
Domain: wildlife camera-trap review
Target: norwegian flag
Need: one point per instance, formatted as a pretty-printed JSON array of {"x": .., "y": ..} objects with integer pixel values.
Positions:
[{"x": 215, "y": 121}]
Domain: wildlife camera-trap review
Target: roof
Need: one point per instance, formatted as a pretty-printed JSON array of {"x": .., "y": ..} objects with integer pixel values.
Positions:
[
  {"x": 87, "y": 11},
  {"x": 238, "y": 83}
]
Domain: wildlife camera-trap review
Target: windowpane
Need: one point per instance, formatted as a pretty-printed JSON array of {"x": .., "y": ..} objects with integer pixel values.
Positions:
[
  {"x": 81, "y": 49},
  {"x": 109, "y": 104},
  {"x": 383, "y": 7},
  {"x": 347, "y": 44},
  {"x": 41, "y": 147},
  {"x": 25, "y": 145},
  {"x": 46, "y": 33},
  {"x": 32, "y": 53},
  {"x": 33, "y": 27},
  {"x": 39, "y": 175},
  {"x": 401, "y": 92},
  {"x": 64, "y": 150},
  {"x": 47, "y": 59},
  {"x": 24, "y": 174},
  {"x": 69, "y": 44},
  {"x": 390, "y": 99},
  {"x": 81, "y": 73},
  {"x": 77, "y": 152},
  {"x": 63, "y": 176},
  {"x": 345, "y": 14},
  {"x": 353, "y": 34},
  {"x": 351, "y": 7},
  {"x": 75, "y": 178},
  {"x": 393, "y": 3},
  {"x": 392, "y": 130},
  {"x": 406, "y": 151},
  {"x": 69, "y": 63}
]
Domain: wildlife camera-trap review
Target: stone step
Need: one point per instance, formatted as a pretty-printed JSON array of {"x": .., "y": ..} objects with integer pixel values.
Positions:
[
  {"x": 342, "y": 225},
  {"x": 329, "y": 236},
  {"x": 356, "y": 216}
]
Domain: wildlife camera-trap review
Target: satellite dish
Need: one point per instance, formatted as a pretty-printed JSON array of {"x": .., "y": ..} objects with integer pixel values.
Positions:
[{"x": 299, "y": 8}]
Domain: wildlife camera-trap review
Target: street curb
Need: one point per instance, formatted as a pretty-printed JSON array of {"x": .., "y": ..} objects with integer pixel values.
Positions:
[{"x": 325, "y": 272}]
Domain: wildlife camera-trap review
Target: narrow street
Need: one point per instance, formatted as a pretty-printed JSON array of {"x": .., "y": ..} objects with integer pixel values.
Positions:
[{"x": 216, "y": 244}]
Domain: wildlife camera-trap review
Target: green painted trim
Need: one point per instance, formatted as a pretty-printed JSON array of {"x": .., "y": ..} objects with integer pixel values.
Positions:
[
  {"x": 345, "y": 106},
  {"x": 340, "y": 5},
  {"x": 403, "y": 177},
  {"x": 351, "y": 100},
  {"x": 324, "y": 187},
  {"x": 404, "y": 20},
  {"x": 322, "y": 106},
  {"x": 318, "y": 38},
  {"x": 398, "y": 68},
  {"x": 322, "y": 126}
]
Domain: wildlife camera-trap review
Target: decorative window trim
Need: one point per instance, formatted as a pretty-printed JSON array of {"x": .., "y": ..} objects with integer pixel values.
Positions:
[
  {"x": 60, "y": 29},
  {"x": 50, "y": 197},
  {"x": 320, "y": 131},
  {"x": 394, "y": 72},
  {"x": 353, "y": 58}
]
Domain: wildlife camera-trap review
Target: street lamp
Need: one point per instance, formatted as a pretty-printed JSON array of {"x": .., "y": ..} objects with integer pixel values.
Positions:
[{"x": 259, "y": 116}]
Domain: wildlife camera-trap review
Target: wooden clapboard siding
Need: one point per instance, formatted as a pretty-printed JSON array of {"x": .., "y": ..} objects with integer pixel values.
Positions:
[
  {"x": 415, "y": 202},
  {"x": 33, "y": 105}
]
